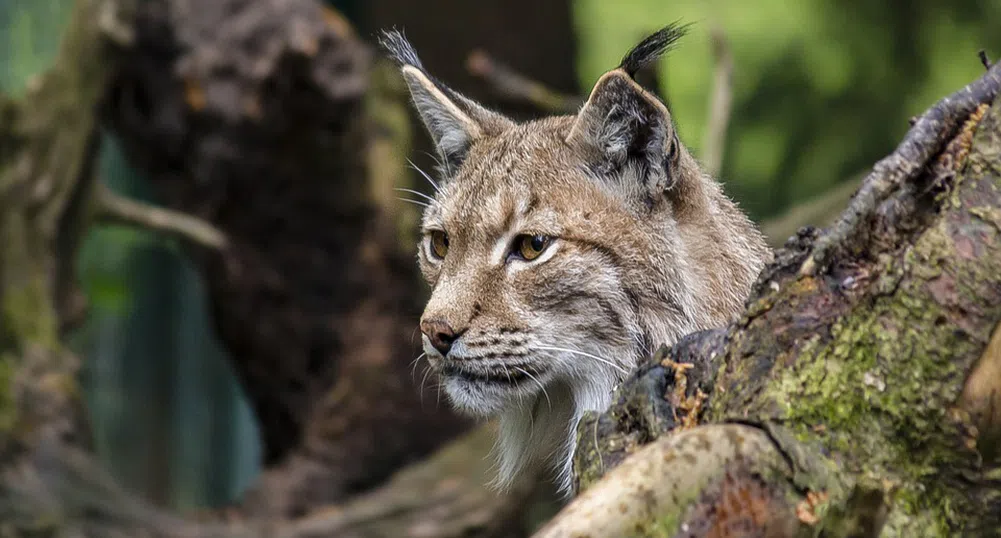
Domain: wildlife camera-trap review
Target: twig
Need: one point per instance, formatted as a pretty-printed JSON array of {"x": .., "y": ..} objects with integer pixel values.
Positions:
[
  {"x": 117, "y": 209},
  {"x": 923, "y": 141},
  {"x": 984, "y": 59},
  {"x": 819, "y": 211},
  {"x": 511, "y": 84},
  {"x": 720, "y": 103}
]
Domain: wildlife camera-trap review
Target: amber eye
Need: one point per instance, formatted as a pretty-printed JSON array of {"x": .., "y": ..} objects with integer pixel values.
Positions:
[
  {"x": 530, "y": 247},
  {"x": 439, "y": 244}
]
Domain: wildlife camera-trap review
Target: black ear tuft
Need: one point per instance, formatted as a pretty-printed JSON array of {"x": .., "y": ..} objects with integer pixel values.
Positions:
[
  {"x": 623, "y": 125},
  {"x": 453, "y": 121},
  {"x": 653, "y": 47},
  {"x": 399, "y": 49}
]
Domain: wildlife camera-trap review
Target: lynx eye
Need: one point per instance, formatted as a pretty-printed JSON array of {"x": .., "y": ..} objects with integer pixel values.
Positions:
[
  {"x": 439, "y": 244},
  {"x": 530, "y": 247}
]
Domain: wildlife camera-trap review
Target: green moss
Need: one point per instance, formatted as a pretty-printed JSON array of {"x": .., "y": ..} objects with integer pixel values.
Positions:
[
  {"x": 8, "y": 408},
  {"x": 587, "y": 458},
  {"x": 27, "y": 314},
  {"x": 661, "y": 527},
  {"x": 890, "y": 368},
  {"x": 990, "y": 215}
]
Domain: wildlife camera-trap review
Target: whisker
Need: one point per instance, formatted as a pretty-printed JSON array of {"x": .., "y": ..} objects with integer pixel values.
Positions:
[
  {"x": 521, "y": 397},
  {"x": 426, "y": 176},
  {"x": 413, "y": 363},
  {"x": 427, "y": 372},
  {"x": 422, "y": 204},
  {"x": 418, "y": 193},
  {"x": 507, "y": 373},
  {"x": 588, "y": 355},
  {"x": 644, "y": 346},
  {"x": 436, "y": 158},
  {"x": 537, "y": 382}
]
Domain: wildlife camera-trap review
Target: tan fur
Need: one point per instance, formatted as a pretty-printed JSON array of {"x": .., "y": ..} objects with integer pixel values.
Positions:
[{"x": 632, "y": 265}]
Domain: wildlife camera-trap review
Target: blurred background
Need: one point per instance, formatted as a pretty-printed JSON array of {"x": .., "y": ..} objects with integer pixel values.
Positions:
[{"x": 819, "y": 91}]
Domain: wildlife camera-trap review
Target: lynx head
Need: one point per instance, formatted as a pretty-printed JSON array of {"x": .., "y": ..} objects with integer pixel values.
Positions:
[{"x": 561, "y": 251}]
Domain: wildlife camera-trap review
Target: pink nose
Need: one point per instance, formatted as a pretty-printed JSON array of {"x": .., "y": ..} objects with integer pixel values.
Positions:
[{"x": 441, "y": 334}]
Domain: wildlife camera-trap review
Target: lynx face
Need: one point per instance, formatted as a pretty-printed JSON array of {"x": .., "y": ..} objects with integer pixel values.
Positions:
[
  {"x": 528, "y": 287},
  {"x": 560, "y": 251}
]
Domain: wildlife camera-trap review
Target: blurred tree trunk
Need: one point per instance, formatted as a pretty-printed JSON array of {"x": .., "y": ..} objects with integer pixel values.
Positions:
[
  {"x": 313, "y": 294},
  {"x": 258, "y": 124}
]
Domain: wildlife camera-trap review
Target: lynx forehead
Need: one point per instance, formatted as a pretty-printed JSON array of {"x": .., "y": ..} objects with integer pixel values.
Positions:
[{"x": 560, "y": 251}]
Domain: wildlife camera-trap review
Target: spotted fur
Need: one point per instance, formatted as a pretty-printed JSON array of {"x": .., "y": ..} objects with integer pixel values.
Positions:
[{"x": 645, "y": 249}]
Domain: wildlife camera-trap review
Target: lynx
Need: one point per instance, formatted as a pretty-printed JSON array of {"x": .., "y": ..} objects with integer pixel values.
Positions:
[{"x": 560, "y": 251}]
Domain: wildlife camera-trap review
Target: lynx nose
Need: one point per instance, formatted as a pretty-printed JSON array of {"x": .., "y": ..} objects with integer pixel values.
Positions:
[{"x": 441, "y": 334}]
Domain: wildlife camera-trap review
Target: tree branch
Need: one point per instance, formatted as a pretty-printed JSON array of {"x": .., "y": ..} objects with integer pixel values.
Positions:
[
  {"x": 818, "y": 211},
  {"x": 651, "y": 489},
  {"x": 720, "y": 102},
  {"x": 926, "y": 137},
  {"x": 112, "y": 208},
  {"x": 512, "y": 85}
]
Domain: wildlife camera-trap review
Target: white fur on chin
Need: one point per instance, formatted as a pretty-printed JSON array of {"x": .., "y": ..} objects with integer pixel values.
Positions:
[{"x": 539, "y": 431}]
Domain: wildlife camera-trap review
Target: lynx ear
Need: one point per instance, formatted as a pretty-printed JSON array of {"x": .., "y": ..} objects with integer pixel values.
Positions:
[
  {"x": 453, "y": 121},
  {"x": 622, "y": 124}
]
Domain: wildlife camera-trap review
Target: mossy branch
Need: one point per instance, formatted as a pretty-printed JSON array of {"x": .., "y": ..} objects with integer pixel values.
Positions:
[{"x": 651, "y": 491}]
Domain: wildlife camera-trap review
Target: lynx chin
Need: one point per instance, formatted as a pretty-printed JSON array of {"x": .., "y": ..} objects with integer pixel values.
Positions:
[{"x": 560, "y": 251}]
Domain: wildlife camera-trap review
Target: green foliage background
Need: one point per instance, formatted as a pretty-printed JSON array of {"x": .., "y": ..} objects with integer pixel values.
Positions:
[{"x": 822, "y": 89}]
